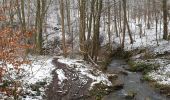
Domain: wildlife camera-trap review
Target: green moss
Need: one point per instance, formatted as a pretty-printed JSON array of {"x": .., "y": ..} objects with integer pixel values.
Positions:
[
  {"x": 148, "y": 55},
  {"x": 127, "y": 54},
  {"x": 146, "y": 78},
  {"x": 123, "y": 54},
  {"x": 6, "y": 83},
  {"x": 168, "y": 37},
  {"x": 130, "y": 95},
  {"x": 37, "y": 86},
  {"x": 161, "y": 86},
  {"x": 105, "y": 63},
  {"x": 142, "y": 67},
  {"x": 100, "y": 90}
]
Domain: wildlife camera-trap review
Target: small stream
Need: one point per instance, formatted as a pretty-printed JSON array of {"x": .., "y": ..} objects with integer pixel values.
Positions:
[{"x": 132, "y": 83}]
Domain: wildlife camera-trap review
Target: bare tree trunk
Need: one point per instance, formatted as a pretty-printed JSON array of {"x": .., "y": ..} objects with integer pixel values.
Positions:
[
  {"x": 108, "y": 14},
  {"x": 165, "y": 12},
  {"x": 120, "y": 16},
  {"x": 90, "y": 20},
  {"x": 68, "y": 16},
  {"x": 160, "y": 27},
  {"x": 19, "y": 12},
  {"x": 82, "y": 28},
  {"x": 148, "y": 10},
  {"x": 40, "y": 14},
  {"x": 156, "y": 22},
  {"x": 28, "y": 17},
  {"x": 38, "y": 34},
  {"x": 129, "y": 32},
  {"x": 63, "y": 30},
  {"x": 23, "y": 15},
  {"x": 115, "y": 18},
  {"x": 126, "y": 24},
  {"x": 96, "y": 43}
]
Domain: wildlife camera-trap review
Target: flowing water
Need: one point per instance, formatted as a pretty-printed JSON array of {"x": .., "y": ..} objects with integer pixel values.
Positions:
[{"x": 132, "y": 84}]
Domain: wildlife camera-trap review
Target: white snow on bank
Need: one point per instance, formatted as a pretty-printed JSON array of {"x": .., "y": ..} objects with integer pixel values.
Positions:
[
  {"x": 30, "y": 98},
  {"x": 61, "y": 75},
  {"x": 147, "y": 40},
  {"x": 164, "y": 47},
  {"x": 86, "y": 69},
  {"x": 39, "y": 70},
  {"x": 162, "y": 76}
]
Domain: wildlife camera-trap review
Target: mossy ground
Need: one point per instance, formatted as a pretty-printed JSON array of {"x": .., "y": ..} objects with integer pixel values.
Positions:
[
  {"x": 162, "y": 88},
  {"x": 143, "y": 67},
  {"x": 100, "y": 90}
]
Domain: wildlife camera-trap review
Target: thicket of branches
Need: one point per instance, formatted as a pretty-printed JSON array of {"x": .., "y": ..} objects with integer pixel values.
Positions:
[{"x": 13, "y": 48}]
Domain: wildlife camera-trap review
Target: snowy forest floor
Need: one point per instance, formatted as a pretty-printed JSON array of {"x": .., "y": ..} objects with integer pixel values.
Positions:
[{"x": 54, "y": 78}]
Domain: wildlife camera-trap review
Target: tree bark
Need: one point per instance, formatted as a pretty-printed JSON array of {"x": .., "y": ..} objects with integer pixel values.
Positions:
[
  {"x": 96, "y": 34},
  {"x": 38, "y": 34},
  {"x": 109, "y": 19},
  {"x": 126, "y": 24},
  {"x": 165, "y": 12},
  {"x": 115, "y": 18},
  {"x": 63, "y": 30},
  {"x": 23, "y": 15}
]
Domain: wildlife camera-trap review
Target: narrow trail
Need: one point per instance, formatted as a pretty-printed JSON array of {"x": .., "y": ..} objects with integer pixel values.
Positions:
[{"x": 73, "y": 88}]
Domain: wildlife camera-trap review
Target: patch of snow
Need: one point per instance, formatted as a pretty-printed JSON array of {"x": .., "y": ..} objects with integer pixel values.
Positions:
[
  {"x": 61, "y": 75},
  {"x": 162, "y": 75},
  {"x": 31, "y": 98},
  {"x": 39, "y": 70},
  {"x": 163, "y": 48},
  {"x": 87, "y": 70},
  {"x": 147, "y": 40}
]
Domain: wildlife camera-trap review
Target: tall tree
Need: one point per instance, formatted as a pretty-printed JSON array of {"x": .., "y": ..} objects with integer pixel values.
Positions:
[
  {"x": 63, "y": 27},
  {"x": 149, "y": 17},
  {"x": 97, "y": 16},
  {"x": 115, "y": 18},
  {"x": 38, "y": 37},
  {"x": 23, "y": 15},
  {"x": 109, "y": 22},
  {"x": 165, "y": 13},
  {"x": 82, "y": 28},
  {"x": 19, "y": 11},
  {"x": 68, "y": 16},
  {"x": 40, "y": 14},
  {"x": 90, "y": 19},
  {"x": 120, "y": 16},
  {"x": 126, "y": 24}
]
